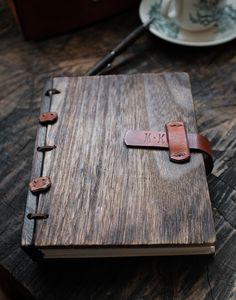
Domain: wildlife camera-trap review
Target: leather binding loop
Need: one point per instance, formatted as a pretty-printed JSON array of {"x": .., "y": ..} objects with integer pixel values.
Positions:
[
  {"x": 46, "y": 148},
  {"x": 159, "y": 140},
  {"x": 37, "y": 216},
  {"x": 178, "y": 142}
]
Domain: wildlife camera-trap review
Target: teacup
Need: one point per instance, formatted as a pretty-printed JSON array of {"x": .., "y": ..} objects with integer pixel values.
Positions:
[{"x": 194, "y": 15}]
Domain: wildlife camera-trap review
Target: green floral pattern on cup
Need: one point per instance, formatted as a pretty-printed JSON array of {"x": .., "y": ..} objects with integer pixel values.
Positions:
[
  {"x": 169, "y": 28},
  {"x": 209, "y": 12},
  {"x": 223, "y": 17}
]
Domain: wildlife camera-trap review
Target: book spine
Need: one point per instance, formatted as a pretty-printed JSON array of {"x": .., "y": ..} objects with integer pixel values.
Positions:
[{"x": 38, "y": 183}]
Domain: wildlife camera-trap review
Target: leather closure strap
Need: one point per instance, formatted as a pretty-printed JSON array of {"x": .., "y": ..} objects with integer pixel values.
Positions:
[
  {"x": 178, "y": 142},
  {"x": 159, "y": 140}
]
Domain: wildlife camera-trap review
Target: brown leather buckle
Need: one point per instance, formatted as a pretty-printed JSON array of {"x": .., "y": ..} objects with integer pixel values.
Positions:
[{"x": 181, "y": 143}]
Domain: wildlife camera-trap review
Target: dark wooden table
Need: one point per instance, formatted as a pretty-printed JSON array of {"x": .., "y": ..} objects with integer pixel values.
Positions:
[{"x": 24, "y": 66}]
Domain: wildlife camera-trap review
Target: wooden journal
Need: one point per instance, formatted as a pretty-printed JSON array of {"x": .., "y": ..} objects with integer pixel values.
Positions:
[{"x": 91, "y": 195}]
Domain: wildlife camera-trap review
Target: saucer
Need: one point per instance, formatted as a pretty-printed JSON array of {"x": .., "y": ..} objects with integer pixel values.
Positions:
[{"x": 168, "y": 30}]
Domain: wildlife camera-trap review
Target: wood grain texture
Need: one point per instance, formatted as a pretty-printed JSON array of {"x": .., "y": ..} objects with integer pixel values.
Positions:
[
  {"x": 24, "y": 67},
  {"x": 104, "y": 193}
]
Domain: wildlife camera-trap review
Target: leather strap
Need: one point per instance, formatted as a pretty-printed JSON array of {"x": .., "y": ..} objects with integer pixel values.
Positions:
[
  {"x": 178, "y": 142},
  {"x": 159, "y": 140}
]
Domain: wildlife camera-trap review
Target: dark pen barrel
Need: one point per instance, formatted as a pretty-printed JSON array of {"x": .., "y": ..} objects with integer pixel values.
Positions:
[
  {"x": 123, "y": 45},
  {"x": 100, "y": 65},
  {"x": 132, "y": 37}
]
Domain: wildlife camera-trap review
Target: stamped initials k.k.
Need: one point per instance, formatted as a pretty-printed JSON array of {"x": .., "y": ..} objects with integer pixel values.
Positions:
[{"x": 158, "y": 138}]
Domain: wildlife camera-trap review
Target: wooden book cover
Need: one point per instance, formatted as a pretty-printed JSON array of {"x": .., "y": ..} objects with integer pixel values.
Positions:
[{"x": 106, "y": 199}]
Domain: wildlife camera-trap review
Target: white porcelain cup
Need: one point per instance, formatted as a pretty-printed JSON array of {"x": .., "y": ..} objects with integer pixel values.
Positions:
[{"x": 194, "y": 15}]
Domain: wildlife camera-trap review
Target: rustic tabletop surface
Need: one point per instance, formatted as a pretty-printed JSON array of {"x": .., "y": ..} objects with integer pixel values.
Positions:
[{"x": 24, "y": 66}]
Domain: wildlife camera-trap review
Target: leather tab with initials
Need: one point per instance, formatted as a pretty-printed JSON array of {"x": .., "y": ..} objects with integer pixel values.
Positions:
[{"x": 176, "y": 140}]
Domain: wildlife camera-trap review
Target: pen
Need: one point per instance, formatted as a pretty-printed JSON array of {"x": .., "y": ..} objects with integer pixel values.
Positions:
[{"x": 122, "y": 46}]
